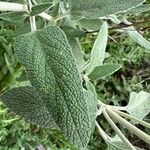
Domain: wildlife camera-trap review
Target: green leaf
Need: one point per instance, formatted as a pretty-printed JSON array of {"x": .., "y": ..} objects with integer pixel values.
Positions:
[
  {"x": 77, "y": 52},
  {"x": 101, "y": 8},
  {"x": 117, "y": 144},
  {"x": 73, "y": 32},
  {"x": 103, "y": 71},
  {"x": 98, "y": 50},
  {"x": 90, "y": 24},
  {"x": 51, "y": 69},
  {"x": 37, "y": 9},
  {"x": 26, "y": 102},
  {"x": 139, "y": 104},
  {"x": 137, "y": 37},
  {"x": 140, "y": 9},
  {"x": 13, "y": 16},
  {"x": 91, "y": 88},
  {"x": 92, "y": 106}
]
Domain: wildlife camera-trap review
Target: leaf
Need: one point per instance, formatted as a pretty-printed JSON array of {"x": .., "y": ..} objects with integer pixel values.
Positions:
[
  {"x": 117, "y": 144},
  {"x": 73, "y": 32},
  {"x": 98, "y": 50},
  {"x": 90, "y": 24},
  {"x": 137, "y": 37},
  {"x": 26, "y": 102},
  {"x": 91, "y": 88},
  {"x": 77, "y": 52},
  {"x": 101, "y": 8},
  {"x": 103, "y": 71},
  {"x": 13, "y": 16},
  {"x": 140, "y": 9},
  {"x": 51, "y": 69},
  {"x": 139, "y": 104},
  {"x": 37, "y": 9},
  {"x": 92, "y": 106}
]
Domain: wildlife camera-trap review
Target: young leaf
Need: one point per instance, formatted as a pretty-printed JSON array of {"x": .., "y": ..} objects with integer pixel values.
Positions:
[
  {"x": 13, "y": 16},
  {"x": 117, "y": 144},
  {"x": 101, "y": 8},
  {"x": 137, "y": 37},
  {"x": 51, "y": 69},
  {"x": 77, "y": 52},
  {"x": 37, "y": 9},
  {"x": 26, "y": 102},
  {"x": 91, "y": 88},
  {"x": 98, "y": 50},
  {"x": 139, "y": 104},
  {"x": 103, "y": 71}
]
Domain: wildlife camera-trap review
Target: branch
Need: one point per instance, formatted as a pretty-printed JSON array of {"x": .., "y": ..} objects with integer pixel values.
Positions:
[
  {"x": 16, "y": 7},
  {"x": 6, "y": 6},
  {"x": 118, "y": 131},
  {"x": 142, "y": 135}
]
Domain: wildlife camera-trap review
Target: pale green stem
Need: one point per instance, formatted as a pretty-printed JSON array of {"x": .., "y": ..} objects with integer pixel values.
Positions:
[
  {"x": 118, "y": 131},
  {"x": 14, "y": 7},
  {"x": 102, "y": 133},
  {"x": 32, "y": 18},
  {"x": 142, "y": 135},
  {"x": 100, "y": 103},
  {"x": 136, "y": 120},
  {"x": 43, "y": 14}
]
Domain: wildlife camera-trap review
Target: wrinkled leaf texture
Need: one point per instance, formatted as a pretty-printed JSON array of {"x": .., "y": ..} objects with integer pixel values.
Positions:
[{"x": 51, "y": 69}]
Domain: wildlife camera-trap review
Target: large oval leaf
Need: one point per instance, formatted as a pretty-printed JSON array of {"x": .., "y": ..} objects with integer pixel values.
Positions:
[
  {"x": 101, "y": 8},
  {"x": 51, "y": 69}
]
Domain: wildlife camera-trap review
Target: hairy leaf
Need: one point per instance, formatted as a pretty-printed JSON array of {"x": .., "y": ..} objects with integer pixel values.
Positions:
[
  {"x": 90, "y": 24},
  {"x": 139, "y": 104},
  {"x": 77, "y": 52},
  {"x": 137, "y": 37},
  {"x": 92, "y": 106},
  {"x": 140, "y": 9},
  {"x": 98, "y": 50},
  {"x": 13, "y": 16},
  {"x": 26, "y": 102},
  {"x": 100, "y": 8},
  {"x": 73, "y": 32},
  {"x": 103, "y": 71},
  {"x": 51, "y": 69},
  {"x": 37, "y": 9},
  {"x": 91, "y": 88}
]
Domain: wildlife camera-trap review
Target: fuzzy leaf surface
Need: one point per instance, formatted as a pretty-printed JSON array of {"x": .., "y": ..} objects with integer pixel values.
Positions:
[
  {"x": 101, "y": 8},
  {"x": 103, "y": 71},
  {"x": 137, "y": 37},
  {"x": 51, "y": 69},
  {"x": 26, "y": 102},
  {"x": 99, "y": 48},
  {"x": 139, "y": 104}
]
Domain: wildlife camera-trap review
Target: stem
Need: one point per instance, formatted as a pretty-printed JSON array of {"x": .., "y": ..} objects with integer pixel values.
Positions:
[
  {"x": 142, "y": 135},
  {"x": 32, "y": 18},
  {"x": 118, "y": 131},
  {"x": 100, "y": 103},
  {"x": 102, "y": 133},
  {"x": 133, "y": 118},
  {"x": 15, "y": 7},
  {"x": 43, "y": 15}
]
